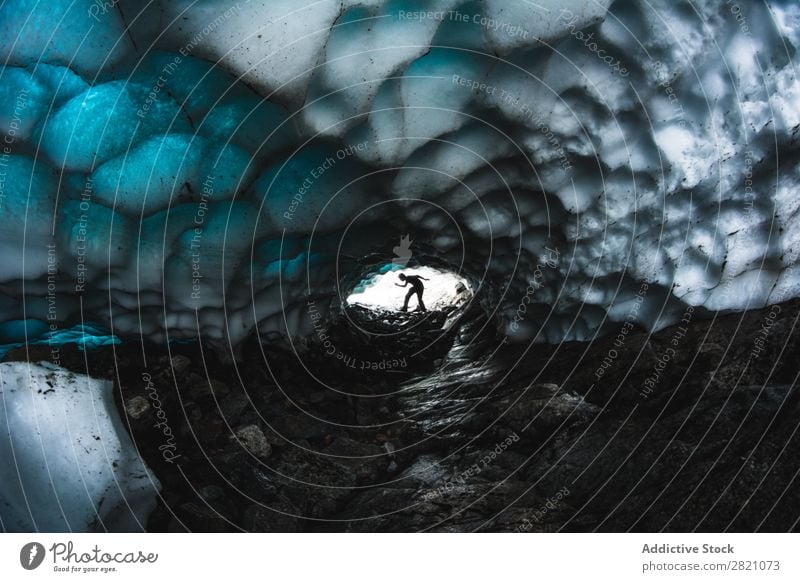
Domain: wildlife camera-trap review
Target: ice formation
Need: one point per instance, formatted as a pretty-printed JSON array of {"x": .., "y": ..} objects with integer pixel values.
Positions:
[
  {"x": 184, "y": 168},
  {"x": 74, "y": 467}
]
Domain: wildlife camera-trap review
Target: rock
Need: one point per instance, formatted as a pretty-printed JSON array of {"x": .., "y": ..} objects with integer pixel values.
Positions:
[
  {"x": 426, "y": 471},
  {"x": 233, "y": 405},
  {"x": 543, "y": 390},
  {"x": 389, "y": 509},
  {"x": 253, "y": 439},
  {"x": 279, "y": 516},
  {"x": 366, "y": 461},
  {"x": 316, "y": 397},
  {"x": 205, "y": 430},
  {"x": 208, "y": 387},
  {"x": 542, "y": 407},
  {"x": 257, "y": 482},
  {"x": 202, "y": 518},
  {"x": 314, "y": 483},
  {"x": 300, "y": 426},
  {"x": 211, "y": 492},
  {"x": 180, "y": 364},
  {"x": 137, "y": 407}
]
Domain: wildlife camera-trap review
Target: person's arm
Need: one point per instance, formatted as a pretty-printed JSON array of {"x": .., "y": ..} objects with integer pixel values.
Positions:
[
  {"x": 423, "y": 278},
  {"x": 403, "y": 285}
]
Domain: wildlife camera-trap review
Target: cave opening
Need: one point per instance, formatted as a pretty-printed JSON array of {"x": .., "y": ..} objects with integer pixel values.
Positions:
[
  {"x": 386, "y": 289},
  {"x": 368, "y": 330}
]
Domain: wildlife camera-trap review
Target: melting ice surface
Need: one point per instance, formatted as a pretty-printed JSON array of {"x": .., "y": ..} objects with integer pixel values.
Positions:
[{"x": 442, "y": 289}]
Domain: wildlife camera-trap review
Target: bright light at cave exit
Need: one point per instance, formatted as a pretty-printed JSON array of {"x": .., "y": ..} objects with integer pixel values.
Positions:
[{"x": 441, "y": 290}]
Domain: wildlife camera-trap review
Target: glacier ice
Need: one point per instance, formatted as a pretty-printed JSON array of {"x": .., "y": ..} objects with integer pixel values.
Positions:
[
  {"x": 69, "y": 465},
  {"x": 89, "y": 39},
  {"x": 203, "y": 168}
]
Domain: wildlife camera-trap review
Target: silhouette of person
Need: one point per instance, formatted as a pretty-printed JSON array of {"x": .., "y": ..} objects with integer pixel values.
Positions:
[{"x": 417, "y": 288}]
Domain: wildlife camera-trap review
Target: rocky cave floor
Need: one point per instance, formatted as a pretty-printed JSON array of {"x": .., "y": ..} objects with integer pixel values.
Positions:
[{"x": 480, "y": 436}]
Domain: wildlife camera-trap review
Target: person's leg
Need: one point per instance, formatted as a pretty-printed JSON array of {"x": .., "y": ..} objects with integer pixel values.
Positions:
[
  {"x": 420, "y": 304},
  {"x": 408, "y": 296}
]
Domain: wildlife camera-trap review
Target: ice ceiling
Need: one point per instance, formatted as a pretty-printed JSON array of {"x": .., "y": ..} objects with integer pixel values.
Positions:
[{"x": 180, "y": 169}]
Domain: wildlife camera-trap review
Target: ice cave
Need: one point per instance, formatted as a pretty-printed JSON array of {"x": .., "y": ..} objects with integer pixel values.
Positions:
[{"x": 214, "y": 211}]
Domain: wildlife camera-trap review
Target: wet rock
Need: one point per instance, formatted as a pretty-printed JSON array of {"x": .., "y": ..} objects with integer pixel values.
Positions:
[{"x": 426, "y": 471}]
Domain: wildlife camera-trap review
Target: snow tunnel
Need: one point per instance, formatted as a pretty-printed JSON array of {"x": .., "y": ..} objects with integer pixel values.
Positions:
[{"x": 207, "y": 207}]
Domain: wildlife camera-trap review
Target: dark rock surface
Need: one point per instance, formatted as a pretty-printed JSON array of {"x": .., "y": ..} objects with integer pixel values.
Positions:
[{"x": 475, "y": 434}]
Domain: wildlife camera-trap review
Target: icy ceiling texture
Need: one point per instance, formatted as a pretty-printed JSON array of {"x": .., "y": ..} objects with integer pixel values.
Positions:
[{"x": 180, "y": 168}]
